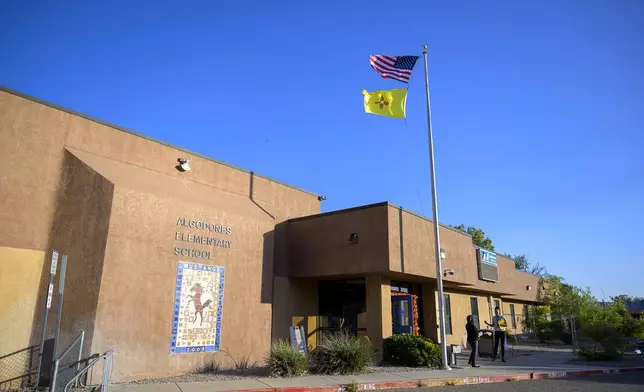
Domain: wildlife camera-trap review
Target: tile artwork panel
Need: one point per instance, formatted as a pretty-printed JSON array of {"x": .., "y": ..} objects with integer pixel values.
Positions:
[{"x": 198, "y": 305}]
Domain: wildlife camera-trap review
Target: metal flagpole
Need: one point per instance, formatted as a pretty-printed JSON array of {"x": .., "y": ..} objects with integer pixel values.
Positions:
[{"x": 439, "y": 267}]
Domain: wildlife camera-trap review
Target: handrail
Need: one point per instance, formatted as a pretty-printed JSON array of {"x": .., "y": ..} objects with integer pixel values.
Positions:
[
  {"x": 107, "y": 371},
  {"x": 80, "y": 337}
]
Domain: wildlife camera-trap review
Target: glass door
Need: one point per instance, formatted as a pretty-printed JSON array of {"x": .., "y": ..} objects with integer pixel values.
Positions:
[{"x": 402, "y": 314}]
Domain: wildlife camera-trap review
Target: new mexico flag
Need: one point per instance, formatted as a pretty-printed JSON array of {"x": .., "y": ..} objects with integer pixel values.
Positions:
[{"x": 390, "y": 103}]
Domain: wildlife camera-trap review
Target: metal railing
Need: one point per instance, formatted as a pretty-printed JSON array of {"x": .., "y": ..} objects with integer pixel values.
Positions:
[
  {"x": 106, "y": 378},
  {"x": 80, "y": 339}
]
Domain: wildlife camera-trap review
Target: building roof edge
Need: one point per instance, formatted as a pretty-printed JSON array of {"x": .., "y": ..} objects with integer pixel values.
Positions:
[{"x": 134, "y": 133}]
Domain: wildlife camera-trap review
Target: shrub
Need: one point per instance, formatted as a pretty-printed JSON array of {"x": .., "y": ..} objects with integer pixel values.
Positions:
[
  {"x": 411, "y": 350},
  {"x": 208, "y": 367},
  {"x": 341, "y": 354},
  {"x": 593, "y": 354},
  {"x": 284, "y": 360},
  {"x": 609, "y": 337}
]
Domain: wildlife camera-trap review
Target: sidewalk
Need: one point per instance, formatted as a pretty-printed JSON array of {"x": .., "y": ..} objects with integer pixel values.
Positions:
[{"x": 522, "y": 366}]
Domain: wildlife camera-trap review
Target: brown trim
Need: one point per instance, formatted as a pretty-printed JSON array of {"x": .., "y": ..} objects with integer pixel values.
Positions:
[{"x": 364, "y": 207}]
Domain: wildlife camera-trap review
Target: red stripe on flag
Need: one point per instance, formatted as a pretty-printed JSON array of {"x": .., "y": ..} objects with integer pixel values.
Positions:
[
  {"x": 384, "y": 60},
  {"x": 380, "y": 70},
  {"x": 388, "y": 69}
]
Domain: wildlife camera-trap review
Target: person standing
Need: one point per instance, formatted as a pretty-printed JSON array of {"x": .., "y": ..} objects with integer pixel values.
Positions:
[
  {"x": 472, "y": 339},
  {"x": 500, "y": 324}
]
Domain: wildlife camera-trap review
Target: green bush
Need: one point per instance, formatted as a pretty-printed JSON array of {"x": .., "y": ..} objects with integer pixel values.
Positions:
[
  {"x": 411, "y": 350},
  {"x": 593, "y": 354},
  {"x": 607, "y": 336},
  {"x": 341, "y": 354},
  {"x": 284, "y": 360}
]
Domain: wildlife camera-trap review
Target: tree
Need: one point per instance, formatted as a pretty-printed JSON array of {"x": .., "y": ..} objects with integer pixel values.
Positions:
[
  {"x": 565, "y": 299},
  {"x": 522, "y": 263},
  {"x": 626, "y": 299},
  {"x": 478, "y": 236}
]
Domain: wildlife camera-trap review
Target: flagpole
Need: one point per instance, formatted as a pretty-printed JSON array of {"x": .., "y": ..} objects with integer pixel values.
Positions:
[{"x": 439, "y": 267}]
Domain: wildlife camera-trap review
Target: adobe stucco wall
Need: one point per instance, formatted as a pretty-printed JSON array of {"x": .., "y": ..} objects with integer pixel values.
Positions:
[
  {"x": 318, "y": 246},
  {"x": 110, "y": 199},
  {"x": 21, "y": 267},
  {"x": 415, "y": 255}
]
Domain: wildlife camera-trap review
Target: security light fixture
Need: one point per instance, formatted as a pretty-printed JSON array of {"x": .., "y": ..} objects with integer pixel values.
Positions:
[
  {"x": 443, "y": 254},
  {"x": 321, "y": 198},
  {"x": 528, "y": 288},
  {"x": 353, "y": 238},
  {"x": 183, "y": 165},
  {"x": 448, "y": 271}
]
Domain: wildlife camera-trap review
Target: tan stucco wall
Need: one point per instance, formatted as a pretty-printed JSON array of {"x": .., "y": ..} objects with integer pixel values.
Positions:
[
  {"x": 518, "y": 316},
  {"x": 32, "y": 138},
  {"x": 429, "y": 311},
  {"x": 318, "y": 246},
  {"x": 460, "y": 309},
  {"x": 135, "y": 315},
  {"x": 79, "y": 230},
  {"x": 378, "y": 317},
  {"x": 415, "y": 255},
  {"x": 57, "y": 192},
  {"x": 295, "y": 304},
  {"x": 19, "y": 272}
]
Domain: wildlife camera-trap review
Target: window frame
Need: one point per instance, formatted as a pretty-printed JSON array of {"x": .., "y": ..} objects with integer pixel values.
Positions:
[
  {"x": 513, "y": 315},
  {"x": 447, "y": 308},
  {"x": 475, "y": 315}
]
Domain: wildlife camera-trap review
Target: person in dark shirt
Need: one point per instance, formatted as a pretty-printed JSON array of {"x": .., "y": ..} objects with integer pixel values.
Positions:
[{"x": 472, "y": 339}]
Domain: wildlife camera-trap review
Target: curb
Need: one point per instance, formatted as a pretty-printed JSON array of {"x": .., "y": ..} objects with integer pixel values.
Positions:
[{"x": 451, "y": 381}]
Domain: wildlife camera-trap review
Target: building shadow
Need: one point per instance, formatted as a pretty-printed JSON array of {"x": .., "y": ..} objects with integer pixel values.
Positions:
[
  {"x": 79, "y": 229},
  {"x": 268, "y": 267}
]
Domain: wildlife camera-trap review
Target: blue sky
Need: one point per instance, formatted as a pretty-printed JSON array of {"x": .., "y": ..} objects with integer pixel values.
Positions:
[{"x": 538, "y": 106}]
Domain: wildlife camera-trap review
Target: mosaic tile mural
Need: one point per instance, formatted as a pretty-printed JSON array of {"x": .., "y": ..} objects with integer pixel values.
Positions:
[{"x": 198, "y": 305}]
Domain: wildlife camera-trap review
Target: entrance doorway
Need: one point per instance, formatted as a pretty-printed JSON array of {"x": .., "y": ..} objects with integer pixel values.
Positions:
[
  {"x": 405, "y": 302},
  {"x": 402, "y": 314},
  {"x": 342, "y": 307}
]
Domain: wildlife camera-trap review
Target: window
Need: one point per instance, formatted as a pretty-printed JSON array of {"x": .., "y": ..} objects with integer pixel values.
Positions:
[
  {"x": 514, "y": 319},
  {"x": 474, "y": 305},
  {"x": 525, "y": 315},
  {"x": 399, "y": 286},
  {"x": 448, "y": 314}
]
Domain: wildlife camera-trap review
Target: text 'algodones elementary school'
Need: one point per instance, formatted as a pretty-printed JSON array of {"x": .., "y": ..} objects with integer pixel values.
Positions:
[{"x": 167, "y": 266}]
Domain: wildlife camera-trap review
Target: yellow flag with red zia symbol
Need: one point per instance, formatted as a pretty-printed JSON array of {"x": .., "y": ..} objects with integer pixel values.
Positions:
[{"x": 390, "y": 103}]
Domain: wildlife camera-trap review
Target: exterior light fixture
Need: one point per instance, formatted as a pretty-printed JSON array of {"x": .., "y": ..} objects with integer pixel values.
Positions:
[
  {"x": 183, "y": 165},
  {"x": 443, "y": 254},
  {"x": 321, "y": 198},
  {"x": 353, "y": 238},
  {"x": 528, "y": 288}
]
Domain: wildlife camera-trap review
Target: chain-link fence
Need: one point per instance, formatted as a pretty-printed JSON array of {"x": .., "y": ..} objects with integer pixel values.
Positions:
[{"x": 18, "y": 369}]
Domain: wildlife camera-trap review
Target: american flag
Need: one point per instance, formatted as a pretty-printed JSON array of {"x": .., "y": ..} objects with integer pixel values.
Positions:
[{"x": 393, "y": 67}]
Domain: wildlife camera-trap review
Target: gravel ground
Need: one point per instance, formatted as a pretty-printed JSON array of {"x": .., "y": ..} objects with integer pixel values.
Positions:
[
  {"x": 252, "y": 373},
  {"x": 260, "y": 372}
]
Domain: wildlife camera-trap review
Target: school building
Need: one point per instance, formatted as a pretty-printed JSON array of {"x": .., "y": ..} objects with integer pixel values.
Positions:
[{"x": 173, "y": 263}]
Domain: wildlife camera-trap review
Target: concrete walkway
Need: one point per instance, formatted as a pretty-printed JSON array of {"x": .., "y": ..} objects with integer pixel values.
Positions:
[{"x": 520, "y": 366}]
